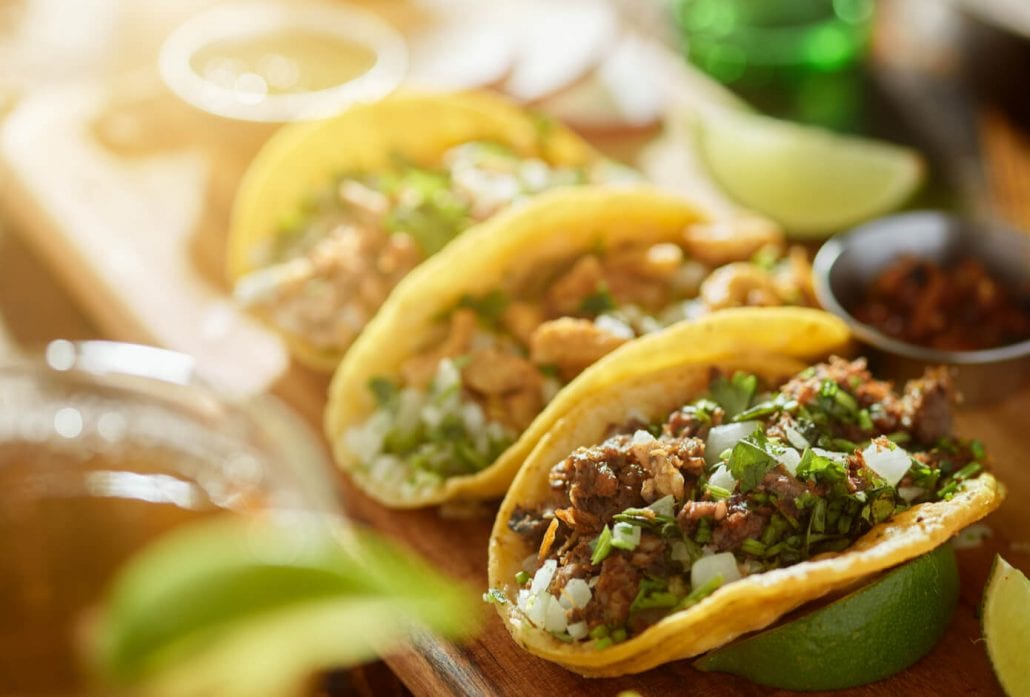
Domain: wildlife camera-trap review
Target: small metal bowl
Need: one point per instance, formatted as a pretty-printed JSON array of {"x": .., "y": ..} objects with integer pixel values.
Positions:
[{"x": 847, "y": 265}]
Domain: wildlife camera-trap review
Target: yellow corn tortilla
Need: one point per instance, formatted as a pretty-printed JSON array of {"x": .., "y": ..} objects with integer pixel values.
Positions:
[
  {"x": 300, "y": 159},
  {"x": 671, "y": 379},
  {"x": 553, "y": 225}
]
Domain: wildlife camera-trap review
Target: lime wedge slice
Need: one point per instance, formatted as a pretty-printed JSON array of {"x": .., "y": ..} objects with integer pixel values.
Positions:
[
  {"x": 254, "y": 606},
  {"x": 812, "y": 181},
  {"x": 1006, "y": 626},
  {"x": 865, "y": 636}
]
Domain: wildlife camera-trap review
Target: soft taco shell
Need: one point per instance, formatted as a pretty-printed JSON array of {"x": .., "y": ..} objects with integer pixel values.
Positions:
[
  {"x": 553, "y": 225},
  {"x": 668, "y": 377},
  {"x": 418, "y": 128}
]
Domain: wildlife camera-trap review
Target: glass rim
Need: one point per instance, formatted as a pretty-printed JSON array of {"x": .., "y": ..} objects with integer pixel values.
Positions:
[{"x": 253, "y": 18}]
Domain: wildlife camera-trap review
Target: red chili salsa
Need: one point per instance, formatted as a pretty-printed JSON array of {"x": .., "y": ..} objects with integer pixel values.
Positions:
[{"x": 954, "y": 307}]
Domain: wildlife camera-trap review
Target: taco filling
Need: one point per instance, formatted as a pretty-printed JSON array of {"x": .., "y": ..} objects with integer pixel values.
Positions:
[
  {"x": 334, "y": 264},
  {"x": 661, "y": 514},
  {"x": 495, "y": 360}
]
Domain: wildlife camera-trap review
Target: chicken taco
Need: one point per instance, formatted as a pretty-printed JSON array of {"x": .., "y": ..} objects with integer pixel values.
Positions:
[
  {"x": 695, "y": 498},
  {"x": 445, "y": 392},
  {"x": 332, "y": 214}
]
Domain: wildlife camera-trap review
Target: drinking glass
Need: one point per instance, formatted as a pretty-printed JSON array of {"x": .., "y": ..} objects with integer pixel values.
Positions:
[
  {"x": 796, "y": 59},
  {"x": 103, "y": 447},
  {"x": 747, "y": 39}
]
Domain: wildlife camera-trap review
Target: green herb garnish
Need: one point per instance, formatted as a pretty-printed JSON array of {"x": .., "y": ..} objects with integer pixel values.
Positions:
[
  {"x": 602, "y": 546},
  {"x": 598, "y": 302},
  {"x": 734, "y": 395}
]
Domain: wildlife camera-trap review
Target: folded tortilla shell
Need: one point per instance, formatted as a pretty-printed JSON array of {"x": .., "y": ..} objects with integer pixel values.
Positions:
[
  {"x": 301, "y": 159},
  {"x": 553, "y": 225},
  {"x": 750, "y": 604}
]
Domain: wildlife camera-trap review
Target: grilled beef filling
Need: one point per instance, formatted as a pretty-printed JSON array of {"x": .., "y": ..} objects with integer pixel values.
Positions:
[{"x": 660, "y": 515}]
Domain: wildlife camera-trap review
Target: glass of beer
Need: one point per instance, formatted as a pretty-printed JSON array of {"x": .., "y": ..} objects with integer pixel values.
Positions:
[{"x": 103, "y": 447}]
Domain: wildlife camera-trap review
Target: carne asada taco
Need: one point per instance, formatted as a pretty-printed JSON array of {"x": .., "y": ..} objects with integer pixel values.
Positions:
[
  {"x": 445, "y": 392},
  {"x": 698, "y": 498},
  {"x": 332, "y": 214}
]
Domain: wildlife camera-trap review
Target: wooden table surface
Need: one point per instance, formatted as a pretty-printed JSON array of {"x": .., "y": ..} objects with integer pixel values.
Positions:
[{"x": 137, "y": 165}]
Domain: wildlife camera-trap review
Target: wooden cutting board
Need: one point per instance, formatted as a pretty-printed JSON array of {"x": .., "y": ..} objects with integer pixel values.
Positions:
[{"x": 126, "y": 193}]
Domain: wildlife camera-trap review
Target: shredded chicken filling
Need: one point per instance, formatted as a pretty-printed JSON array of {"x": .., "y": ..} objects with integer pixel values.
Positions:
[
  {"x": 515, "y": 347},
  {"x": 334, "y": 265}
]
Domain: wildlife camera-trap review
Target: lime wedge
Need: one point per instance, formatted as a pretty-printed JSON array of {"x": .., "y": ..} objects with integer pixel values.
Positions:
[
  {"x": 255, "y": 606},
  {"x": 1006, "y": 626},
  {"x": 812, "y": 181},
  {"x": 865, "y": 636}
]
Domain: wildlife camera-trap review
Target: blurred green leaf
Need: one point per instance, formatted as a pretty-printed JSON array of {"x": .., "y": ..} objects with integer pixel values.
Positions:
[{"x": 254, "y": 606}]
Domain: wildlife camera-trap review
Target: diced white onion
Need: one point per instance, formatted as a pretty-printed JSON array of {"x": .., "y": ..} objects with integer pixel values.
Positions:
[
  {"x": 473, "y": 416},
  {"x": 578, "y": 630},
  {"x": 625, "y": 536},
  {"x": 536, "y": 608},
  {"x": 432, "y": 415},
  {"x": 593, "y": 581},
  {"x": 577, "y": 591},
  {"x": 642, "y": 437},
  {"x": 790, "y": 459},
  {"x": 707, "y": 568},
  {"x": 554, "y": 617},
  {"x": 910, "y": 493},
  {"x": 614, "y": 326},
  {"x": 664, "y": 506},
  {"x": 447, "y": 375},
  {"x": 679, "y": 551},
  {"x": 831, "y": 454},
  {"x": 890, "y": 462},
  {"x": 722, "y": 478},
  {"x": 796, "y": 439},
  {"x": 543, "y": 576},
  {"x": 723, "y": 437}
]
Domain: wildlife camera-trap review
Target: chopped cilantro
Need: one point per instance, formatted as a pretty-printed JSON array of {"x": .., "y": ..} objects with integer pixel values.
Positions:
[
  {"x": 750, "y": 460},
  {"x": 495, "y": 596},
  {"x": 653, "y": 593},
  {"x": 598, "y": 302},
  {"x": 385, "y": 390},
  {"x": 865, "y": 422},
  {"x": 602, "y": 546},
  {"x": 766, "y": 257},
  {"x": 701, "y": 592},
  {"x": 734, "y": 395},
  {"x": 489, "y": 307},
  {"x": 767, "y": 408},
  {"x": 753, "y": 547},
  {"x": 718, "y": 493}
]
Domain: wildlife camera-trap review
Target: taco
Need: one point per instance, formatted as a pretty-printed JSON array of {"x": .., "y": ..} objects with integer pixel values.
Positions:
[
  {"x": 691, "y": 499},
  {"x": 332, "y": 214},
  {"x": 445, "y": 392}
]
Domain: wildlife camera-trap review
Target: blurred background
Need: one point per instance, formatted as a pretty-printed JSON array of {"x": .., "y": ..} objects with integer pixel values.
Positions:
[{"x": 101, "y": 155}]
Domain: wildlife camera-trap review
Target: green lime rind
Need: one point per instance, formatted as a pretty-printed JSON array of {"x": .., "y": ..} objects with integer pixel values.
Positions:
[
  {"x": 1005, "y": 615},
  {"x": 226, "y": 595},
  {"x": 866, "y": 636}
]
